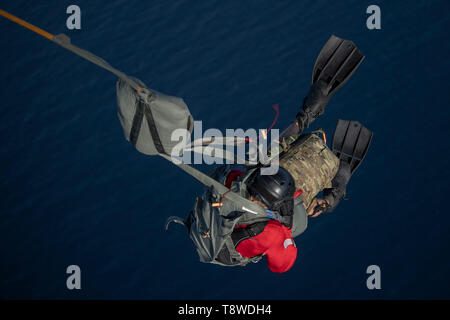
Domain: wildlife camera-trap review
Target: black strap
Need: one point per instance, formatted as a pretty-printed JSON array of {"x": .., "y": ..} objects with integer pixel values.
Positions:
[
  {"x": 188, "y": 127},
  {"x": 142, "y": 109},
  {"x": 152, "y": 128},
  {"x": 240, "y": 234},
  {"x": 237, "y": 236},
  {"x": 136, "y": 125}
]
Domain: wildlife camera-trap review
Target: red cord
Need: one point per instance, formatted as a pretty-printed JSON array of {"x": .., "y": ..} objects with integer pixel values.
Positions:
[{"x": 275, "y": 106}]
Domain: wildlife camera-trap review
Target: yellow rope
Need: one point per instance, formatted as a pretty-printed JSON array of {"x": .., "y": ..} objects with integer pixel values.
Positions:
[{"x": 26, "y": 25}]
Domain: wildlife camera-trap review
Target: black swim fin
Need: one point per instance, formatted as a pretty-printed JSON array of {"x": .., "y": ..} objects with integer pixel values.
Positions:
[
  {"x": 336, "y": 63},
  {"x": 351, "y": 141}
]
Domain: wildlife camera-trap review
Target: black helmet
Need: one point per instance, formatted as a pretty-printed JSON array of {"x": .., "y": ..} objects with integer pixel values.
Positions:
[{"x": 273, "y": 189}]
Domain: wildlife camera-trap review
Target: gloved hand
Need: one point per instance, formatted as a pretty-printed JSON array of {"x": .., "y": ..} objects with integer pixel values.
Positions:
[
  {"x": 317, "y": 207},
  {"x": 338, "y": 186}
]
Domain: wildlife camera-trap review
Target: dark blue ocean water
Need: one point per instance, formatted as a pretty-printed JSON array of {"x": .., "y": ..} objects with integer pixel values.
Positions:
[{"x": 73, "y": 191}]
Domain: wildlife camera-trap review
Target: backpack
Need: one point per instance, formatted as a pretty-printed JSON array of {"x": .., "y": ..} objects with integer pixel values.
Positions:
[{"x": 214, "y": 217}]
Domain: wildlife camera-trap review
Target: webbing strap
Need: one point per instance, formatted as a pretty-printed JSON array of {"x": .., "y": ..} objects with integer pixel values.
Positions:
[
  {"x": 235, "y": 256},
  {"x": 152, "y": 128},
  {"x": 64, "y": 41},
  {"x": 243, "y": 203},
  {"x": 137, "y": 122},
  {"x": 241, "y": 234},
  {"x": 142, "y": 109}
]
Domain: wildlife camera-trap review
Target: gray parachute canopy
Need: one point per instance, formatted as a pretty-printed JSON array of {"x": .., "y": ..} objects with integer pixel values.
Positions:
[{"x": 148, "y": 120}]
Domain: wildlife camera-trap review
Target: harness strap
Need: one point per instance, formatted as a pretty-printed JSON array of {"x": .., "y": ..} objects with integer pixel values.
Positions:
[
  {"x": 234, "y": 255},
  {"x": 143, "y": 109},
  {"x": 152, "y": 128},
  {"x": 241, "y": 234},
  {"x": 243, "y": 203},
  {"x": 231, "y": 256},
  {"x": 137, "y": 122}
]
